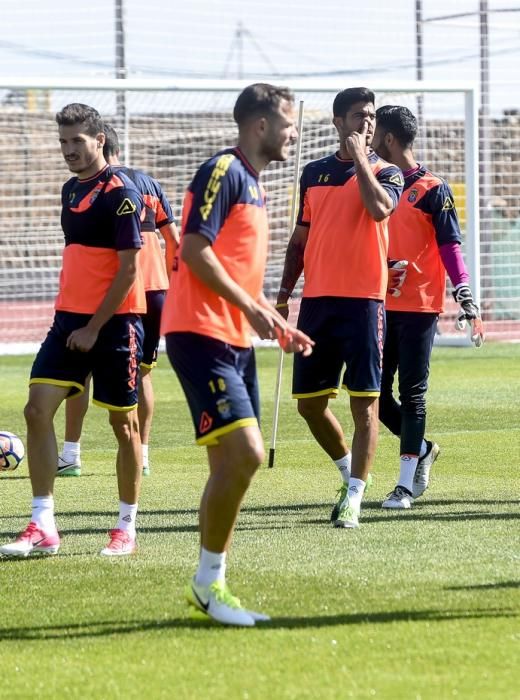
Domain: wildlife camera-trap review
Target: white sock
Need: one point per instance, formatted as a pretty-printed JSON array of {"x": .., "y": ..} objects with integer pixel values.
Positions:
[
  {"x": 356, "y": 489},
  {"x": 212, "y": 567},
  {"x": 344, "y": 465},
  {"x": 146, "y": 462},
  {"x": 71, "y": 452},
  {"x": 127, "y": 516},
  {"x": 424, "y": 448},
  {"x": 407, "y": 467},
  {"x": 43, "y": 513}
]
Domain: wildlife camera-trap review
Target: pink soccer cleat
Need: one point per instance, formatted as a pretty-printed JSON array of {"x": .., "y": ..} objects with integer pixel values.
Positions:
[
  {"x": 121, "y": 543},
  {"x": 33, "y": 540}
]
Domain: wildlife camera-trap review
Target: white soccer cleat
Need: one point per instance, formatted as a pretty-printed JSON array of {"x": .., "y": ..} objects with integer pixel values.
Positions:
[
  {"x": 399, "y": 498},
  {"x": 421, "y": 477},
  {"x": 217, "y": 602},
  {"x": 66, "y": 468}
]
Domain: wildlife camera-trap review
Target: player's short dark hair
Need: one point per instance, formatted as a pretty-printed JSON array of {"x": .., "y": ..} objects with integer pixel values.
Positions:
[
  {"x": 111, "y": 146},
  {"x": 259, "y": 100},
  {"x": 399, "y": 121},
  {"x": 77, "y": 113},
  {"x": 346, "y": 98}
]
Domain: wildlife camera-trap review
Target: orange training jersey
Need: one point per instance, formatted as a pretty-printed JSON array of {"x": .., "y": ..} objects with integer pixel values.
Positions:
[
  {"x": 346, "y": 250},
  {"x": 226, "y": 204},
  {"x": 424, "y": 220},
  {"x": 100, "y": 216},
  {"x": 157, "y": 212}
]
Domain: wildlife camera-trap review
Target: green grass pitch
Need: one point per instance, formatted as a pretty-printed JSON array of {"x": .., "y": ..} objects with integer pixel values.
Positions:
[{"x": 417, "y": 605}]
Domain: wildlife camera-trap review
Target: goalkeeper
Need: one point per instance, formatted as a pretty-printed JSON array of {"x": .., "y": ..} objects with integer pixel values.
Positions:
[{"x": 423, "y": 230}]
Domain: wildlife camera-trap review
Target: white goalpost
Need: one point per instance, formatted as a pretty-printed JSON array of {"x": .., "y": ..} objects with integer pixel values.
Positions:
[{"x": 168, "y": 128}]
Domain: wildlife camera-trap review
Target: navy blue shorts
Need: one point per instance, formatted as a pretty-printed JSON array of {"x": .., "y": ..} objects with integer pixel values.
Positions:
[
  {"x": 152, "y": 327},
  {"x": 219, "y": 381},
  {"x": 346, "y": 331},
  {"x": 113, "y": 361}
]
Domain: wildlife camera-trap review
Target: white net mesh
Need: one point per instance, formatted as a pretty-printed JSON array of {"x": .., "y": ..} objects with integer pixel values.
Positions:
[{"x": 169, "y": 133}]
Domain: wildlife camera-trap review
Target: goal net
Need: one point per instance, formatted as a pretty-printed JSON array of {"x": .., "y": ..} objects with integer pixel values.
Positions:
[{"x": 168, "y": 129}]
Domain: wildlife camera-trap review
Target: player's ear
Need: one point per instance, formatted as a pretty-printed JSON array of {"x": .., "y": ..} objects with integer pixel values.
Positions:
[
  {"x": 100, "y": 138},
  {"x": 262, "y": 124}
]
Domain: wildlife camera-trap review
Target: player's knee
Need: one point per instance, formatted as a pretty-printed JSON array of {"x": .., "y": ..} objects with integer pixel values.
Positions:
[
  {"x": 125, "y": 425},
  {"x": 364, "y": 413},
  {"x": 310, "y": 410},
  {"x": 35, "y": 414}
]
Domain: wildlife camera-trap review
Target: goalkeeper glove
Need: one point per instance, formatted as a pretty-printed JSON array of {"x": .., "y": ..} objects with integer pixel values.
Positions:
[
  {"x": 396, "y": 276},
  {"x": 469, "y": 312}
]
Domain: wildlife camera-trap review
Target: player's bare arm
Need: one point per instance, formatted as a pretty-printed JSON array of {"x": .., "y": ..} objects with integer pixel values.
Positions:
[
  {"x": 197, "y": 253},
  {"x": 377, "y": 201},
  {"x": 83, "y": 339},
  {"x": 171, "y": 236},
  {"x": 293, "y": 266}
]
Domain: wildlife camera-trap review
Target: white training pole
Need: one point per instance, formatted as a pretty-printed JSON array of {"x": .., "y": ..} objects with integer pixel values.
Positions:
[{"x": 292, "y": 221}]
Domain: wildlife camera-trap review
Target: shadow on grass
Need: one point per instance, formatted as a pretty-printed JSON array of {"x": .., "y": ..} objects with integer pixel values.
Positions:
[
  {"x": 485, "y": 586},
  {"x": 114, "y": 627}
]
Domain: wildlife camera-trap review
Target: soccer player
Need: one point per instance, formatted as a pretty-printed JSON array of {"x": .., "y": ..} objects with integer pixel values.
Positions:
[
  {"x": 424, "y": 230},
  {"x": 340, "y": 242},
  {"x": 97, "y": 328},
  {"x": 157, "y": 216},
  {"x": 214, "y": 297}
]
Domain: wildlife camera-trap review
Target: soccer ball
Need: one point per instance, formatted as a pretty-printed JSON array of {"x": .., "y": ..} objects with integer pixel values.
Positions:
[{"x": 11, "y": 451}]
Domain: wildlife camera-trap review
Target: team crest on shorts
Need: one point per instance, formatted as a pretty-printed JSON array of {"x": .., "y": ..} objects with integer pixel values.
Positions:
[
  {"x": 224, "y": 408},
  {"x": 412, "y": 197}
]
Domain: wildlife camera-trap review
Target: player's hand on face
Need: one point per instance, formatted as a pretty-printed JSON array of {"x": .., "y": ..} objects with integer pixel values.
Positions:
[
  {"x": 82, "y": 339},
  {"x": 356, "y": 142}
]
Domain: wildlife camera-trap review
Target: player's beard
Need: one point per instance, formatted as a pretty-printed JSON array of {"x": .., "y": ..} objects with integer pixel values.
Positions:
[{"x": 275, "y": 151}]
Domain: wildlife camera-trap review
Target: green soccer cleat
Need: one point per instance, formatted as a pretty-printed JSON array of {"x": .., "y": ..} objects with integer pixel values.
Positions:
[
  {"x": 216, "y": 602},
  {"x": 341, "y": 495},
  {"x": 348, "y": 517}
]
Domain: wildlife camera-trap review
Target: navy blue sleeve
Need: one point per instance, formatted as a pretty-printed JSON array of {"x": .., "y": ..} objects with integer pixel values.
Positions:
[
  {"x": 164, "y": 213},
  {"x": 214, "y": 190},
  {"x": 440, "y": 203},
  {"x": 125, "y": 206},
  {"x": 392, "y": 181}
]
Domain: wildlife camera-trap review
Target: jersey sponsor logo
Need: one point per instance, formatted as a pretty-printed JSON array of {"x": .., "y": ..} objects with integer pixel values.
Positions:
[
  {"x": 448, "y": 204},
  {"x": 397, "y": 179},
  {"x": 126, "y": 207},
  {"x": 412, "y": 197},
  {"x": 214, "y": 184},
  {"x": 205, "y": 423},
  {"x": 253, "y": 191}
]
